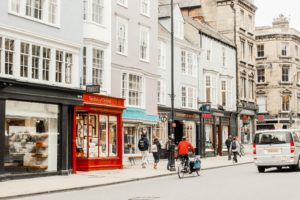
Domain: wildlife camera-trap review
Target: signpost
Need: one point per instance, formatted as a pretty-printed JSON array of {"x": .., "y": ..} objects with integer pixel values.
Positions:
[{"x": 93, "y": 89}]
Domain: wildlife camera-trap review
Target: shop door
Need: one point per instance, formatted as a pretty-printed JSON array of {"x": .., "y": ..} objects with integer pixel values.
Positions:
[
  {"x": 178, "y": 131},
  {"x": 219, "y": 135}
]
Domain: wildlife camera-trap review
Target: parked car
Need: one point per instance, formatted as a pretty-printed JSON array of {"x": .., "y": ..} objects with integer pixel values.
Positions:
[{"x": 277, "y": 148}]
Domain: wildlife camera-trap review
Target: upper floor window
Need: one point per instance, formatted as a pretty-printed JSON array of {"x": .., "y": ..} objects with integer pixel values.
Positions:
[
  {"x": 260, "y": 50},
  {"x": 35, "y": 60},
  {"x": 162, "y": 51},
  {"x": 144, "y": 43},
  {"x": 243, "y": 49},
  {"x": 98, "y": 9},
  {"x": 123, "y": 2},
  {"x": 24, "y": 59},
  {"x": 68, "y": 67},
  {"x": 161, "y": 92},
  {"x": 132, "y": 89},
  {"x": 122, "y": 35},
  {"x": 285, "y": 73},
  {"x": 250, "y": 45},
  {"x": 145, "y": 7},
  {"x": 261, "y": 75},
  {"x": 285, "y": 102},
  {"x": 296, "y": 51},
  {"x": 211, "y": 89},
  {"x": 262, "y": 104},
  {"x": 250, "y": 23},
  {"x": 9, "y": 56},
  {"x": 189, "y": 97},
  {"x": 84, "y": 66},
  {"x": 97, "y": 69},
  {"x": 242, "y": 20},
  {"x": 284, "y": 49},
  {"x": 208, "y": 88},
  {"x": 1, "y": 53},
  {"x": 223, "y": 92},
  {"x": 223, "y": 56},
  {"x": 46, "y": 11},
  {"x": 189, "y": 63},
  {"x": 85, "y": 9},
  {"x": 243, "y": 87},
  {"x": 178, "y": 28},
  {"x": 251, "y": 89},
  {"x": 298, "y": 78}
]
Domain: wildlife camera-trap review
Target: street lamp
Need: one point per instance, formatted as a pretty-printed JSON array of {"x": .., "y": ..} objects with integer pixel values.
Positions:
[{"x": 172, "y": 149}]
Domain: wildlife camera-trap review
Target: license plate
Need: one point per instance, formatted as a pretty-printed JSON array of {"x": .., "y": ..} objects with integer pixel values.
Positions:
[{"x": 272, "y": 151}]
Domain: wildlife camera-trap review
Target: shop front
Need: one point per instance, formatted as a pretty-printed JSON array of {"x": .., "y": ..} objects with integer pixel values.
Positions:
[
  {"x": 97, "y": 136},
  {"x": 35, "y": 128}
]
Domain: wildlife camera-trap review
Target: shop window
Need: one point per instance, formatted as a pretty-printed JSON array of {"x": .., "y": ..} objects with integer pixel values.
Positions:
[
  {"x": 162, "y": 132},
  {"x": 81, "y": 137},
  {"x": 93, "y": 136},
  {"x": 190, "y": 132},
  {"x": 112, "y": 135},
  {"x": 31, "y": 137},
  {"x": 129, "y": 140},
  {"x": 208, "y": 137},
  {"x": 103, "y": 136}
]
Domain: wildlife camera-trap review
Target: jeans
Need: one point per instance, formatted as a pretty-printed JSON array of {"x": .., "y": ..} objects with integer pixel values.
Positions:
[
  {"x": 235, "y": 156},
  {"x": 156, "y": 157},
  {"x": 229, "y": 153}
]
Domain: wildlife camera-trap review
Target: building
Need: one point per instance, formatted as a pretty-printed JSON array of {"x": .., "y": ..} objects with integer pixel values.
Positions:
[
  {"x": 278, "y": 75},
  {"x": 186, "y": 78},
  {"x": 235, "y": 20},
  {"x": 39, "y": 85},
  {"x": 134, "y": 71},
  {"x": 217, "y": 83}
]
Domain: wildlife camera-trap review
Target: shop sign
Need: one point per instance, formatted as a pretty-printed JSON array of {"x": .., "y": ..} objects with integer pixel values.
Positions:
[
  {"x": 245, "y": 118},
  {"x": 206, "y": 115},
  {"x": 188, "y": 116},
  {"x": 206, "y": 108},
  {"x": 93, "y": 89},
  {"x": 103, "y": 100}
]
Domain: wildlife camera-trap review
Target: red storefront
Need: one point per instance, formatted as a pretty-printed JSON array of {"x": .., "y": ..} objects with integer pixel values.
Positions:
[{"x": 97, "y": 135}]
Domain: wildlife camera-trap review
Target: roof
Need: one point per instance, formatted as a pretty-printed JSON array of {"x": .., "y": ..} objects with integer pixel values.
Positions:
[
  {"x": 209, "y": 31},
  {"x": 164, "y": 11},
  {"x": 182, "y": 3}
]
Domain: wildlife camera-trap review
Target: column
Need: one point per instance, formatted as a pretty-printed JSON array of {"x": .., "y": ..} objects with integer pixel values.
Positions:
[
  {"x": 2, "y": 134},
  {"x": 64, "y": 121}
]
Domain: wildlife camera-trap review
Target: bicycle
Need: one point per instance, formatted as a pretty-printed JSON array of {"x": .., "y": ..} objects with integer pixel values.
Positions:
[{"x": 185, "y": 166}]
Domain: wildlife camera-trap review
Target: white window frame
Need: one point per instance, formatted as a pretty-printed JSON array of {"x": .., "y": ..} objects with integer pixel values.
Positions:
[
  {"x": 122, "y": 37},
  {"x": 161, "y": 90},
  {"x": 214, "y": 91},
  {"x": 68, "y": 67},
  {"x": 98, "y": 11},
  {"x": 162, "y": 55},
  {"x": 189, "y": 63},
  {"x": 35, "y": 61},
  {"x": 223, "y": 92},
  {"x": 139, "y": 89},
  {"x": 262, "y": 104},
  {"x": 145, "y": 10},
  {"x": 285, "y": 107},
  {"x": 229, "y": 93},
  {"x": 24, "y": 66},
  {"x": 284, "y": 50},
  {"x": 188, "y": 97},
  {"x": 224, "y": 57},
  {"x": 14, "y": 6},
  {"x": 97, "y": 66},
  {"x": 261, "y": 76},
  {"x": 46, "y": 63},
  {"x": 9, "y": 66},
  {"x": 260, "y": 50},
  {"x": 208, "y": 86},
  {"x": 144, "y": 43},
  {"x": 123, "y": 3}
]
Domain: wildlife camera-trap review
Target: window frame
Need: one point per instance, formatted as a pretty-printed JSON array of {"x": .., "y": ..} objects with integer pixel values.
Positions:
[
  {"x": 261, "y": 76},
  {"x": 161, "y": 90},
  {"x": 142, "y": 3},
  {"x": 188, "y": 97},
  {"x": 124, "y": 41},
  {"x": 260, "y": 50},
  {"x": 262, "y": 103},
  {"x": 125, "y": 92},
  {"x": 98, "y": 9},
  {"x": 97, "y": 66},
  {"x": 124, "y": 4},
  {"x": 285, "y": 75},
  {"x": 285, "y": 106},
  {"x": 144, "y": 43}
]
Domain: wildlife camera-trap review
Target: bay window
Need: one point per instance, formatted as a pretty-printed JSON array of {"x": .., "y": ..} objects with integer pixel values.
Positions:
[
  {"x": 24, "y": 60},
  {"x": 46, "y": 63},
  {"x": 84, "y": 66},
  {"x": 9, "y": 56},
  {"x": 162, "y": 55},
  {"x": 35, "y": 60},
  {"x": 68, "y": 67},
  {"x": 189, "y": 97},
  {"x": 132, "y": 89},
  {"x": 189, "y": 63},
  {"x": 98, "y": 9},
  {"x": 161, "y": 90},
  {"x": 59, "y": 66},
  {"x": 98, "y": 62},
  {"x": 223, "y": 92},
  {"x": 208, "y": 88}
]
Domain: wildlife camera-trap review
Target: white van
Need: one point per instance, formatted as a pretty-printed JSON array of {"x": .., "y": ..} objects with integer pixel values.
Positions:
[{"x": 276, "y": 148}]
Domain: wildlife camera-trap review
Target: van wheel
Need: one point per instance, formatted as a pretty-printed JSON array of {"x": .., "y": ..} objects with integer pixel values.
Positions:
[
  {"x": 297, "y": 166},
  {"x": 279, "y": 168},
  {"x": 261, "y": 169}
]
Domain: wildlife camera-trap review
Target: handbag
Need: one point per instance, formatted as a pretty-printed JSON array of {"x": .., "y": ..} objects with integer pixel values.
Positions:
[
  {"x": 154, "y": 148},
  {"x": 197, "y": 164}
]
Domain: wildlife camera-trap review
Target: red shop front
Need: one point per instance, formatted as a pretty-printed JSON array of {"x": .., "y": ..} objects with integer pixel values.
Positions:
[{"x": 97, "y": 135}]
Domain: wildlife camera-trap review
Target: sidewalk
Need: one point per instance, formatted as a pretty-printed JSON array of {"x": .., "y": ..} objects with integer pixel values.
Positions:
[{"x": 81, "y": 180}]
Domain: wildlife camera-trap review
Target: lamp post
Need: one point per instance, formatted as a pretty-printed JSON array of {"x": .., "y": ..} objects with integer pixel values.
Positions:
[{"x": 172, "y": 149}]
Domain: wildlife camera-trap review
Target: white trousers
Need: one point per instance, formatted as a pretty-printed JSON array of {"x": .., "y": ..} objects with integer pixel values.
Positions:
[{"x": 144, "y": 157}]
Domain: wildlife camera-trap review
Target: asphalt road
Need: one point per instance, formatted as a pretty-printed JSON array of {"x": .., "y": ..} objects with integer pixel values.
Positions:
[{"x": 231, "y": 183}]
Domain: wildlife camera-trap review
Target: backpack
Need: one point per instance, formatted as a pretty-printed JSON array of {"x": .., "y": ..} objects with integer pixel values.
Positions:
[
  {"x": 143, "y": 144},
  {"x": 233, "y": 145}
]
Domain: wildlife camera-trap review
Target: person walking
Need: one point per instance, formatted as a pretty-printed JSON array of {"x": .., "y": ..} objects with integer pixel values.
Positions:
[
  {"x": 228, "y": 143},
  {"x": 168, "y": 152},
  {"x": 143, "y": 146},
  {"x": 155, "y": 149},
  {"x": 235, "y": 149}
]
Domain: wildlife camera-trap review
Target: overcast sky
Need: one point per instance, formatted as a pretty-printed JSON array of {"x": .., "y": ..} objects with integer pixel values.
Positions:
[{"x": 269, "y": 9}]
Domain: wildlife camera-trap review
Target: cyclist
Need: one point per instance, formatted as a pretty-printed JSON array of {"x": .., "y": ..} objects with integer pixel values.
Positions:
[{"x": 183, "y": 150}]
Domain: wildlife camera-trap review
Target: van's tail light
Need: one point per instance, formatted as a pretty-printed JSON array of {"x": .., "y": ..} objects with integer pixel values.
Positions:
[
  {"x": 292, "y": 145},
  {"x": 254, "y": 149}
]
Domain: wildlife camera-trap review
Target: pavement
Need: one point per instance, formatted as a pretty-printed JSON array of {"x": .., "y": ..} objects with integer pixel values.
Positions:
[{"x": 83, "y": 180}]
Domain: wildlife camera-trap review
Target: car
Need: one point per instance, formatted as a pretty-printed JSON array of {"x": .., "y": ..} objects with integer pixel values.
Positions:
[{"x": 277, "y": 148}]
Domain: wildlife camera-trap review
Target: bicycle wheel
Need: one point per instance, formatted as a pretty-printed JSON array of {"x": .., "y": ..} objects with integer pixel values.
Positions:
[{"x": 180, "y": 170}]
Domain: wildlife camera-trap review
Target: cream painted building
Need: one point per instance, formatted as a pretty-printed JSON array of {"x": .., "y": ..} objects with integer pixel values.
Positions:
[{"x": 278, "y": 75}]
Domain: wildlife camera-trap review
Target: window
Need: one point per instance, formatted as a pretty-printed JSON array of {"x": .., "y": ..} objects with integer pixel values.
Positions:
[
  {"x": 188, "y": 97},
  {"x": 223, "y": 56},
  {"x": 260, "y": 75},
  {"x": 189, "y": 63},
  {"x": 145, "y": 7},
  {"x": 59, "y": 66},
  {"x": 35, "y": 61},
  {"x": 229, "y": 94},
  {"x": 178, "y": 28},
  {"x": 132, "y": 89},
  {"x": 243, "y": 49},
  {"x": 260, "y": 50},
  {"x": 243, "y": 87},
  {"x": 223, "y": 92},
  {"x": 98, "y": 62},
  {"x": 46, "y": 63},
  {"x": 242, "y": 22},
  {"x": 68, "y": 67},
  {"x": 296, "y": 51},
  {"x": 9, "y": 56},
  {"x": 183, "y": 61},
  {"x": 262, "y": 104},
  {"x": 122, "y": 34},
  {"x": 285, "y": 103},
  {"x": 284, "y": 49},
  {"x": 208, "y": 88},
  {"x": 250, "y": 45},
  {"x": 285, "y": 73},
  {"x": 34, "y": 8},
  {"x": 189, "y": 129},
  {"x": 84, "y": 66},
  {"x": 162, "y": 55},
  {"x": 144, "y": 43},
  {"x": 214, "y": 91},
  {"x": 15, "y": 6},
  {"x": 24, "y": 59},
  {"x": 1, "y": 53},
  {"x": 250, "y": 23},
  {"x": 52, "y": 13},
  {"x": 98, "y": 9},
  {"x": 251, "y": 89},
  {"x": 85, "y": 8},
  {"x": 123, "y": 2},
  {"x": 161, "y": 90}
]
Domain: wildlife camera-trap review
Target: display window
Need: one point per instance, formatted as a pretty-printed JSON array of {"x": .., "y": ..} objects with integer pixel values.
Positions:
[
  {"x": 190, "y": 132},
  {"x": 162, "y": 132},
  {"x": 31, "y": 137},
  {"x": 129, "y": 140},
  {"x": 225, "y": 134},
  {"x": 96, "y": 135},
  {"x": 208, "y": 137}
]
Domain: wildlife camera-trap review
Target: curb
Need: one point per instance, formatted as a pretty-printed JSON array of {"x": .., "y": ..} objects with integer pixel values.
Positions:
[{"x": 114, "y": 183}]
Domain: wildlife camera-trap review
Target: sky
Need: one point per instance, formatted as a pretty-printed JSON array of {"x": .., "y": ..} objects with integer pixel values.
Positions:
[{"x": 270, "y": 9}]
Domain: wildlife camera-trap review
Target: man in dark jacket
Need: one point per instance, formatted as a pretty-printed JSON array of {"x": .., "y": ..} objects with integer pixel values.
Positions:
[
  {"x": 228, "y": 143},
  {"x": 143, "y": 146},
  {"x": 168, "y": 152}
]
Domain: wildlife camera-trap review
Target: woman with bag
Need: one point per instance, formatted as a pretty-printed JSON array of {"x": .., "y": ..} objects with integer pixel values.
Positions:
[{"x": 155, "y": 149}]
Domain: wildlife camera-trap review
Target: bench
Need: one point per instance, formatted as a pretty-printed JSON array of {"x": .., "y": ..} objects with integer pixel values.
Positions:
[{"x": 133, "y": 158}]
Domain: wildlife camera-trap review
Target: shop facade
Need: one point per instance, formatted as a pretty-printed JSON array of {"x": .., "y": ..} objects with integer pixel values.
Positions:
[
  {"x": 247, "y": 122},
  {"x": 36, "y": 125},
  {"x": 97, "y": 135}
]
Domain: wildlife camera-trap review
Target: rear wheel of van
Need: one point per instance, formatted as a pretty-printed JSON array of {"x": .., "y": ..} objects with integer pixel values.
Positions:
[
  {"x": 296, "y": 167},
  {"x": 279, "y": 168},
  {"x": 261, "y": 169}
]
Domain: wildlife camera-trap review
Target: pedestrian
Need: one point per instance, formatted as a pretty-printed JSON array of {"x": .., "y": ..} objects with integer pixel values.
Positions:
[
  {"x": 168, "y": 152},
  {"x": 143, "y": 146},
  {"x": 228, "y": 143},
  {"x": 155, "y": 149},
  {"x": 235, "y": 149}
]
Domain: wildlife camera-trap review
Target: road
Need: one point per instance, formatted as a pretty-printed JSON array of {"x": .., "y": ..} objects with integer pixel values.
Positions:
[{"x": 231, "y": 183}]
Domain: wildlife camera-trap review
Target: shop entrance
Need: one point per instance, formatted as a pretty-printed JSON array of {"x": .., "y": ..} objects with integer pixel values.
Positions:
[{"x": 178, "y": 131}]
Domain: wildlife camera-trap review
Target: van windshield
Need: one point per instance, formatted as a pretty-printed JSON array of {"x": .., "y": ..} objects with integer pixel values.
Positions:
[{"x": 272, "y": 138}]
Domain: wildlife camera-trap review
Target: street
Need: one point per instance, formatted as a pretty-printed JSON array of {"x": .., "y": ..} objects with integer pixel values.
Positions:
[{"x": 230, "y": 183}]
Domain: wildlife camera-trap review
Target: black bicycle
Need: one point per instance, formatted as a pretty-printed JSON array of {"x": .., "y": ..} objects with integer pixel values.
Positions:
[{"x": 188, "y": 165}]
